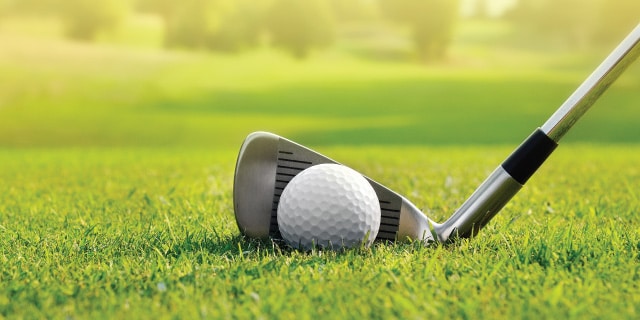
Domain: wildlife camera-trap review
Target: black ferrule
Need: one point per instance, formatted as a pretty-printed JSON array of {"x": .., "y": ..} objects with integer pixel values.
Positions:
[{"x": 529, "y": 156}]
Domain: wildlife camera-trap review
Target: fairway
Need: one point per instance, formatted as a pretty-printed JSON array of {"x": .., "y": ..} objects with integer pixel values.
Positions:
[
  {"x": 131, "y": 233},
  {"x": 117, "y": 164},
  {"x": 74, "y": 95}
]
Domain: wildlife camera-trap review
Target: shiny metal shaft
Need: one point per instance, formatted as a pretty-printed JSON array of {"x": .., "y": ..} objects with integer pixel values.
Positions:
[
  {"x": 591, "y": 89},
  {"x": 508, "y": 178}
]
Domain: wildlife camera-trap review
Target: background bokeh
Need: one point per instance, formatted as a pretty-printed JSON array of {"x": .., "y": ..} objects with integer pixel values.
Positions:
[
  {"x": 120, "y": 123},
  {"x": 204, "y": 73}
]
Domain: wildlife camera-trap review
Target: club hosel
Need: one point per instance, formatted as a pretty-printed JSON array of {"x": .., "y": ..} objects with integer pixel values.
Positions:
[
  {"x": 496, "y": 191},
  {"x": 480, "y": 207}
]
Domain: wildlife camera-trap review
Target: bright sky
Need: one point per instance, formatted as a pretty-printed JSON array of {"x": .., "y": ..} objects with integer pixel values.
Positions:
[{"x": 496, "y": 7}]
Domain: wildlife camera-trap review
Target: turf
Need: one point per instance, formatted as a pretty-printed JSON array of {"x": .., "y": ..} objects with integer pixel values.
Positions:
[
  {"x": 149, "y": 233},
  {"x": 116, "y": 170}
]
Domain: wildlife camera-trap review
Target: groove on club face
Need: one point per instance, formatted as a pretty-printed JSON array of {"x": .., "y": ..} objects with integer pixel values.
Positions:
[
  {"x": 293, "y": 158},
  {"x": 267, "y": 163},
  {"x": 287, "y": 168}
]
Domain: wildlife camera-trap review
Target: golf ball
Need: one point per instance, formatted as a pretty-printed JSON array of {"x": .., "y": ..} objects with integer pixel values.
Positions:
[{"x": 329, "y": 206}]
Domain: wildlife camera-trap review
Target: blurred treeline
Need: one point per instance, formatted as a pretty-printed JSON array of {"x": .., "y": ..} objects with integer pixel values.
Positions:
[
  {"x": 580, "y": 23},
  {"x": 300, "y": 26}
]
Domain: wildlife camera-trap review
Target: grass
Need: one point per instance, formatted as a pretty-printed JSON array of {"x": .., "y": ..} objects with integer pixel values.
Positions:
[
  {"x": 150, "y": 233},
  {"x": 116, "y": 170}
]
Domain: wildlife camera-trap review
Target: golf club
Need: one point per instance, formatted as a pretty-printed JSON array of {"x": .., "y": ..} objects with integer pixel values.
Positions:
[{"x": 267, "y": 162}]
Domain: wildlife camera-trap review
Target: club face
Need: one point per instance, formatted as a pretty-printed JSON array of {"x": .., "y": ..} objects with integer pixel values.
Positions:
[{"x": 265, "y": 166}]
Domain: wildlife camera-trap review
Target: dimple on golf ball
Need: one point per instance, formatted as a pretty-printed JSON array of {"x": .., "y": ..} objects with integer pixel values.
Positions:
[{"x": 329, "y": 206}]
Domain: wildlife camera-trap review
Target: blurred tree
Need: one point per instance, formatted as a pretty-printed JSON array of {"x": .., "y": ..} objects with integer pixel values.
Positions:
[
  {"x": 239, "y": 27},
  {"x": 482, "y": 9},
  {"x": 84, "y": 19},
  {"x": 617, "y": 18},
  {"x": 27, "y": 7},
  {"x": 5, "y": 7},
  {"x": 431, "y": 21},
  {"x": 300, "y": 25},
  {"x": 226, "y": 25},
  {"x": 354, "y": 10},
  {"x": 567, "y": 21},
  {"x": 578, "y": 23}
]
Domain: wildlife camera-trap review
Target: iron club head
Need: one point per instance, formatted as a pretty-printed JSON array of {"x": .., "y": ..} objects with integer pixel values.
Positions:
[{"x": 267, "y": 162}]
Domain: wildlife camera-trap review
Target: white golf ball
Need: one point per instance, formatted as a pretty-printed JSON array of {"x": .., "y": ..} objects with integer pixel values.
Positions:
[{"x": 329, "y": 206}]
